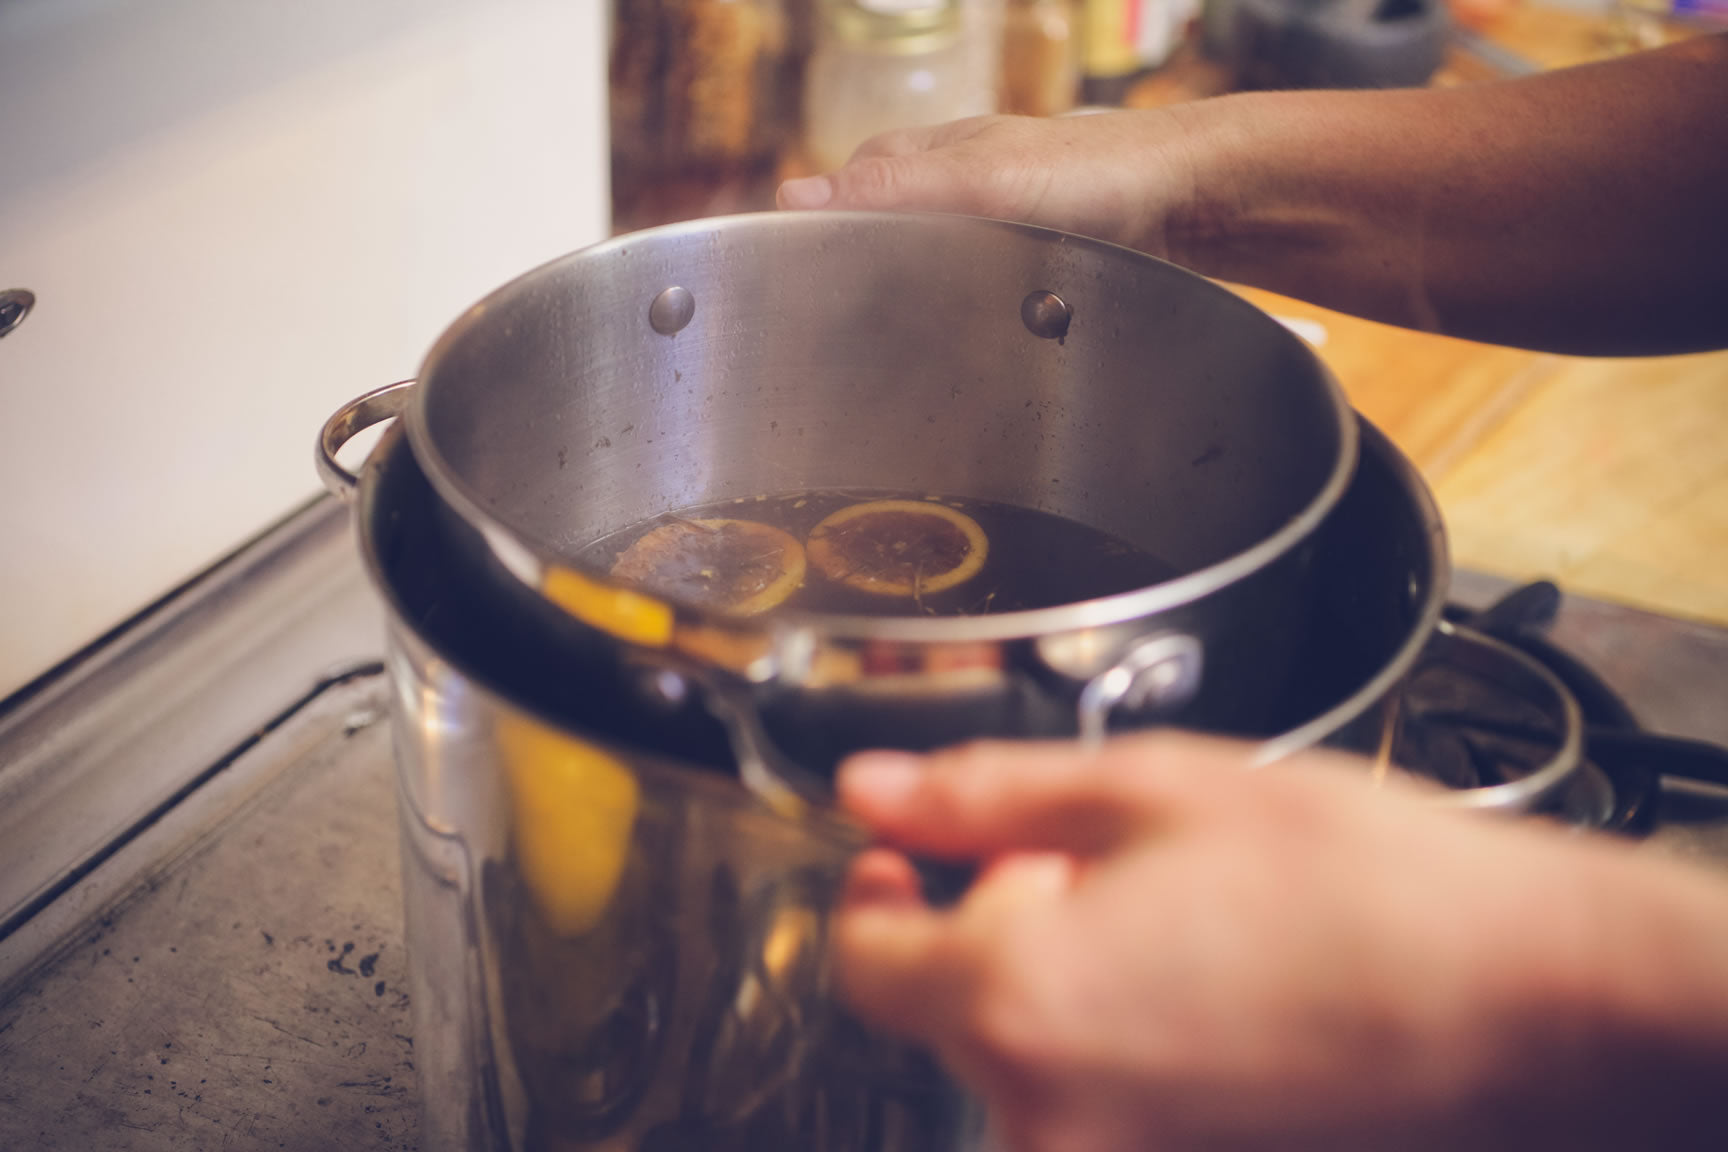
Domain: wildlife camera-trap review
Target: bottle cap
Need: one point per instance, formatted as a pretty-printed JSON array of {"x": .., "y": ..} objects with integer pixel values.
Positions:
[{"x": 899, "y": 26}]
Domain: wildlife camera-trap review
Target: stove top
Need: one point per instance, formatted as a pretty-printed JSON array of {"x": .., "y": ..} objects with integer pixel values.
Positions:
[
  {"x": 200, "y": 909},
  {"x": 1466, "y": 730},
  {"x": 1652, "y": 691}
]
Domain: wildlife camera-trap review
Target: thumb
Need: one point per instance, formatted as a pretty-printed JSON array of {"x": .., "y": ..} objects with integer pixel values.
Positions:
[
  {"x": 909, "y": 181},
  {"x": 907, "y": 169}
]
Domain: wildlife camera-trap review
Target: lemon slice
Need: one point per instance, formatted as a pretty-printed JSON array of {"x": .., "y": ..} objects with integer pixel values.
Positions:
[
  {"x": 734, "y": 566},
  {"x": 573, "y": 808},
  {"x": 898, "y": 547}
]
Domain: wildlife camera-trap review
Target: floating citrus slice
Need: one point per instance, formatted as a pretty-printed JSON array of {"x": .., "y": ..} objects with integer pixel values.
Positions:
[
  {"x": 898, "y": 547},
  {"x": 734, "y": 566}
]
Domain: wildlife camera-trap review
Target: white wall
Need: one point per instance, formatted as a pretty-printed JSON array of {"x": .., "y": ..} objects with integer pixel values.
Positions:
[{"x": 235, "y": 215}]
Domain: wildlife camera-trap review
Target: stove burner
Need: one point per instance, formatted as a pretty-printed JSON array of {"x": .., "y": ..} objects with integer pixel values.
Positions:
[{"x": 1466, "y": 731}]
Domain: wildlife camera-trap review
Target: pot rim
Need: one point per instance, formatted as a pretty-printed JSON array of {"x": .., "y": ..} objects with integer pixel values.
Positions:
[
  {"x": 529, "y": 561},
  {"x": 1428, "y": 621},
  {"x": 1310, "y": 734}
]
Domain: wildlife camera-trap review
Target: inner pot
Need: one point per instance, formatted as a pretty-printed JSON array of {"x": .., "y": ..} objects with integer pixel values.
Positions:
[
  {"x": 613, "y": 944},
  {"x": 785, "y": 352}
]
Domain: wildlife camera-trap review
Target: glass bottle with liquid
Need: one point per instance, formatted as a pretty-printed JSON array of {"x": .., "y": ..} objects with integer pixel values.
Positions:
[{"x": 879, "y": 65}]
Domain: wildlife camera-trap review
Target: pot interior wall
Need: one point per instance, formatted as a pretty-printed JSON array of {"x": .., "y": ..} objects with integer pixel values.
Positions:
[{"x": 856, "y": 351}]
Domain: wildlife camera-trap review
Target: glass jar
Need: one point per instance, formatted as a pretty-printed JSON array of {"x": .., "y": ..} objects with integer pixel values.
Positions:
[{"x": 886, "y": 64}]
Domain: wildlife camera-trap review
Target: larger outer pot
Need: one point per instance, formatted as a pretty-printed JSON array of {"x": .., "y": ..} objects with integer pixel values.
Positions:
[
  {"x": 691, "y": 991},
  {"x": 926, "y": 354}
]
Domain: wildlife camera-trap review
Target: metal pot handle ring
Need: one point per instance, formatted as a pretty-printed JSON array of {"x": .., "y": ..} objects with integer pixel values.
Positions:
[
  {"x": 357, "y": 415},
  {"x": 1157, "y": 674},
  {"x": 1499, "y": 661}
]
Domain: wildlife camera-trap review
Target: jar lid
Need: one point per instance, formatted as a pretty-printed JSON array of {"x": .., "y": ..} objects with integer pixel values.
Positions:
[{"x": 895, "y": 25}]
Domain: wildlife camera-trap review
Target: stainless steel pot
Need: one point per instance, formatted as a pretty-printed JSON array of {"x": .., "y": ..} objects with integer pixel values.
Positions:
[
  {"x": 613, "y": 943},
  {"x": 782, "y": 352}
]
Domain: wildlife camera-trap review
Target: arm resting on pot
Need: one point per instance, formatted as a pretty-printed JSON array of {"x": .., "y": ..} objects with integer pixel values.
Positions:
[
  {"x": 1167, "y": 950},
  {"x": 1577, "y": 211}
]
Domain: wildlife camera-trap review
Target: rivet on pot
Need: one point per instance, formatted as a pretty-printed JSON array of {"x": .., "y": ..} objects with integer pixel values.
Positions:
[
  {"x": 671, "y": 310},
  {"x": 1045, "y": 315},
  {"x": 1156, "y": 675}
]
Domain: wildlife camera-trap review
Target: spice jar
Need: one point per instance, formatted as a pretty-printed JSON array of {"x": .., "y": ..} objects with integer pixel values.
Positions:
[
  {"x": 1040, "y": 57},
  {"x": 886, "y": 64}
]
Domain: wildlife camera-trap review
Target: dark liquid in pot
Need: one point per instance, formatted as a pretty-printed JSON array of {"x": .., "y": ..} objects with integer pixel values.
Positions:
[{"x": 1033, "y": 559}]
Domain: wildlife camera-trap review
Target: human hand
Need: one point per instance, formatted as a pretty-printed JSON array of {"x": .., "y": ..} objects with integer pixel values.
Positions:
[
  {"x": 1166, "y": 951},
  {"x": 1120, "y": 176}
]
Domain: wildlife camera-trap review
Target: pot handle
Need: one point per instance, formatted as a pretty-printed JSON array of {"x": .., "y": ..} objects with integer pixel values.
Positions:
[
  {"x": 358, "y": 414},
  {"x": 1157, "y": 673},
  {"x": 1495, "y": 660},
  {"x": 765, "y": 771}
]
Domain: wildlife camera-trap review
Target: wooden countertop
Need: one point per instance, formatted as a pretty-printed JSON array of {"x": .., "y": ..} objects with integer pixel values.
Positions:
[{"x": 1608, "y": 476}]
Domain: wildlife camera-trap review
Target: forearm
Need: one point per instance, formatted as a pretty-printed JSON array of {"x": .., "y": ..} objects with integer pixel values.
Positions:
[
  {"x": 1583, "y": 210},
  {"x": 1625, "y": 1027}
]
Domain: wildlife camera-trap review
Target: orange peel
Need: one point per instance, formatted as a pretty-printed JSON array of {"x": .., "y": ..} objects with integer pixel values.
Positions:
[
  {"x": 890, "y": 547},
  {"x": 739, "y": 567}
]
